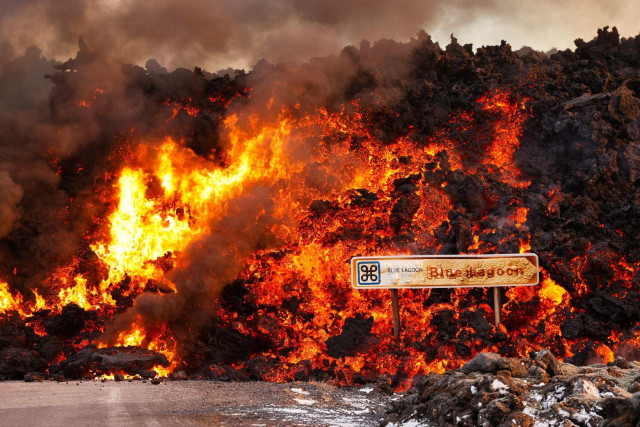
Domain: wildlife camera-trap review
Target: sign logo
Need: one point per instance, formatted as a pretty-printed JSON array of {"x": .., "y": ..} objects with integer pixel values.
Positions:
[{"x": 368, "y": 273}]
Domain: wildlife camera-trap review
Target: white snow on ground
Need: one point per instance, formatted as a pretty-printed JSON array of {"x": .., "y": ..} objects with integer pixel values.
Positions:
[
  {"x": 321, "y": 405},
  {"x": 359, "y": 403},
  {"x": 366, "y": 390},
  {"x": 409, "y": 423},
  {"x": 559, "y": 391},
  {"x": 290, "y": 410},
  {"x": 583, "y": 416},
  {"x": 498, "y": 385},
  {"x": 583, "y": 386},
  {"x": 530, "y": 411},
  {"x": 412, "y": 423}
]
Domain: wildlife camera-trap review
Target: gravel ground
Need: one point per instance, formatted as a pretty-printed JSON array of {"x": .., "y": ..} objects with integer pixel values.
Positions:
[{"x": 187, "y": 403}]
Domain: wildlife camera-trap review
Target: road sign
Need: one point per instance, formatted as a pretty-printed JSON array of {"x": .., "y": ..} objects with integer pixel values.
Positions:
[{"x": 444, "y": 271}]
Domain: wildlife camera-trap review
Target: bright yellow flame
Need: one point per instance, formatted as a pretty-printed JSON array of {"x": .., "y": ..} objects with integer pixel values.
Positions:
[
  {"x": 147, "y": 225},
  {"x": 133, "y": 338},
  {"x": 40, "y": 304},
  {"x": 77, "y": 294},
  {"x": 7, "y": 301},
  {"x": 552, "y": 292}
]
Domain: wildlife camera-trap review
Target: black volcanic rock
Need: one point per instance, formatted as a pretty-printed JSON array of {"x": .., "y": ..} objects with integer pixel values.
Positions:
[
  {"x": 15, "y": 362},
  {"x": 130, "y": 360},
  {"x": 483, "y": 362},
  {"x": 355, "y": 336}
]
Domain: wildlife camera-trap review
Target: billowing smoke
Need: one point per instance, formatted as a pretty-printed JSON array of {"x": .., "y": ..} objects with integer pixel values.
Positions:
[
  {"x": 216, "y": 33},
  {"x": 10, "y": 195}
]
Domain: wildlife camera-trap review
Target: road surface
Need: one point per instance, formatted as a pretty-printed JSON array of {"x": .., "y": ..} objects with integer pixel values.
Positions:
[{"x": 140, "y": 403}]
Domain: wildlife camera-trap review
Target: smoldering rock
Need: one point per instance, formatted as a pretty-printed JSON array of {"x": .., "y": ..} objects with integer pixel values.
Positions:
[
  {"x": 69, "y": 322},
  {"x": 483, "y": 362},
  {"x": 355, "y": 337},
  {"x": 477, "y": 320},
  {"x": 130, "y": 360},
  {"x": 34, "y": 377},
  {"x": 15, "y": 362},
  {"x": 126, "y": 358},
  {"x": 178, "y": 376}
]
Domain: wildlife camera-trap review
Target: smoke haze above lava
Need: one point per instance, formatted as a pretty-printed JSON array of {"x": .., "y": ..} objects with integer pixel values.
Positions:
[{"x": 219, "y": 33}]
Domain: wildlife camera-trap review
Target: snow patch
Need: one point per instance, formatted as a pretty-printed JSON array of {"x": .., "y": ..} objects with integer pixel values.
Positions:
[
  {"x": 498, "y": 385},
  {"x": 583, "y": 416}
]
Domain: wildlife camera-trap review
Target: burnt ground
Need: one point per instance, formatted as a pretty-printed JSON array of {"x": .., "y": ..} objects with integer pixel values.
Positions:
[{"x": 187, "y": 403}]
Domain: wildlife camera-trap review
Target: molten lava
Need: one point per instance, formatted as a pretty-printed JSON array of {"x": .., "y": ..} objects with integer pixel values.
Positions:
[{"x": 335, "y": 191}]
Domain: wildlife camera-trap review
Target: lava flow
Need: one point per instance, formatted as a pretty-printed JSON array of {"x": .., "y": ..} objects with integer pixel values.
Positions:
[{"x": 219, "y": 225}]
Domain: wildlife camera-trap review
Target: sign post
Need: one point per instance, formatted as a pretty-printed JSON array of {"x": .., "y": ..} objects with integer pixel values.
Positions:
[
  {"x": 497, "y": 304},
  {"x": 443, "y": 271},
  {"x": 395, "y": 305}
]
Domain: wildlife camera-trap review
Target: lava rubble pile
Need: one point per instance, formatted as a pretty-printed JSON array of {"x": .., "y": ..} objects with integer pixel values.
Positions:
[
  {"x": 490, "y": 390},
  {"x": 414, "y": 149}
]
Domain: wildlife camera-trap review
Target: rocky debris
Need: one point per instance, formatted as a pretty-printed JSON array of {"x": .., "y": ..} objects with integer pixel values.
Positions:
[
  {"x": 621, "y": 412},
  {"x": 584, "y": 100},
  {"x": 481, "y": 393},
  {"x": 129, "y": 360},
  {"x": 355, "y": 336},
  {"x": 16, "y": 362},
  {"x": 33, "y": 377},
  {"x": 178, "y": 376},
  {"x": 483, "y": 362}
]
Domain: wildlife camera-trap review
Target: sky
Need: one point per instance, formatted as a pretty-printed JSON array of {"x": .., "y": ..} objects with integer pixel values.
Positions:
[{"x": 216, "y": 34}]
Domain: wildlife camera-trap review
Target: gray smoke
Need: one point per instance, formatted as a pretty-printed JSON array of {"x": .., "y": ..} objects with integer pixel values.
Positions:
[
  {"x": 213, "y": 262},
  {"x": 217, "y": 33},
  {"x": 10, "y": 195}
]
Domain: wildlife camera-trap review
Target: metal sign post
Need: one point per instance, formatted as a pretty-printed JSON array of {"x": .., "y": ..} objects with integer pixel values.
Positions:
[
  {"x": 497, "y": 305},
  {"x": 395, "y": 306},
  {"x": 443, "y": 271}
]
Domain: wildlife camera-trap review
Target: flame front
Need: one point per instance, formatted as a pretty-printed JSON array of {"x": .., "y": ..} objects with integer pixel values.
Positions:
[{"x": 335, "y": 192}]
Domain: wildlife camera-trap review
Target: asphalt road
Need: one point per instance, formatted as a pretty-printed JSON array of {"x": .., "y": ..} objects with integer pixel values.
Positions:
[{"x": 187, "y": 403}]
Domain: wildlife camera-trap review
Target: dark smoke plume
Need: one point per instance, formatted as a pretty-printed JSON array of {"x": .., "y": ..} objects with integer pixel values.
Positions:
[{"x": 216, "y": 33}]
